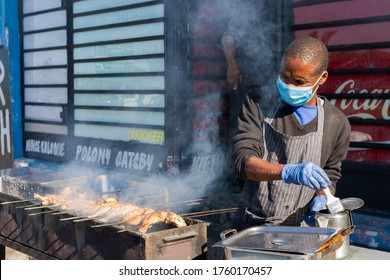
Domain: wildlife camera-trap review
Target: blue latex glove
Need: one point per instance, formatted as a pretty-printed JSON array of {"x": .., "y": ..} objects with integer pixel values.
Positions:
[
  {"x": 318, "y": 203},
  {"x": 308, "y": 174}
]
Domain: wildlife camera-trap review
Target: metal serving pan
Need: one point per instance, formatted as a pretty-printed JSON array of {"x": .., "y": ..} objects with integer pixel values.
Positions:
[{"x": 277, "y": 242}]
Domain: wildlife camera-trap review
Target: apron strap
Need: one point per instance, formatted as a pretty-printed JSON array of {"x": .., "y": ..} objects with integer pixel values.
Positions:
[{"x": 321, "y": 117}]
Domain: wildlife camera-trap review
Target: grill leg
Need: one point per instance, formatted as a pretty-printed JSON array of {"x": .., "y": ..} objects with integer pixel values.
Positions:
[{"x": 2, "y": 252}]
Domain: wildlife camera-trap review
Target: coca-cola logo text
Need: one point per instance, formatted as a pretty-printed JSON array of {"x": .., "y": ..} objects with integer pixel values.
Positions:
[{"x": 362, "y": 108}]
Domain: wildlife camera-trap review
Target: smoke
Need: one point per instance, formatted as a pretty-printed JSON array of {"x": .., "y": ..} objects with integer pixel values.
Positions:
[
  {"x": 207, "y": 161},
  {"x": 205, "y": 168},
  {"x": 253, "y": 26}
]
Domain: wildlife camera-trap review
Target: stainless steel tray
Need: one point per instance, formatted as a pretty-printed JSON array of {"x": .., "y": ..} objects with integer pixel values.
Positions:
[{"x": 294, "y": 240}]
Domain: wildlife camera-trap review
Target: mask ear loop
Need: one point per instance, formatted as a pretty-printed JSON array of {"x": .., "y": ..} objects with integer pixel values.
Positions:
[{"x": 317, "y": 83}]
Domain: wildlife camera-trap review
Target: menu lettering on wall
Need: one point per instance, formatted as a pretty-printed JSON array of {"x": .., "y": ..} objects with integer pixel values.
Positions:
[
  {"x": 204, "y": 163},
  {"x": 147, "y": 136},
  {"x": 91, "y": 154},
  {"x": 133, "y": 160},
  {"x": 5, "y": 120},
  {"x": 45, "y": 147},
  {"x": 5, "y": 132}
]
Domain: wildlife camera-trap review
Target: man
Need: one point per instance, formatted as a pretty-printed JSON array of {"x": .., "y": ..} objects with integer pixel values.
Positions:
[{"x": 289, "y": 152}]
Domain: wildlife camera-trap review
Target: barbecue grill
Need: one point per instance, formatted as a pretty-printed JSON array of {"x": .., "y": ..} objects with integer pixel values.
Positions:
[{"x": 47, "y": 232}]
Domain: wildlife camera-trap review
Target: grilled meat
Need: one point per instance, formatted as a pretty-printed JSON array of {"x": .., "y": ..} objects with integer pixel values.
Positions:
[
  {"x": 137, "y": 216},
  {"x": 110, "y": 209},
  {"x": 161, "y": 217},
  {"x": 48, "y": 199},
  {"x": 119, "y": 213},
  {"x": 100, "y": 208}
]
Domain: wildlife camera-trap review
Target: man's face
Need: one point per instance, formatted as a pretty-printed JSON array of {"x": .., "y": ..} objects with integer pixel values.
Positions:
[{"x": 300, "y": 73}]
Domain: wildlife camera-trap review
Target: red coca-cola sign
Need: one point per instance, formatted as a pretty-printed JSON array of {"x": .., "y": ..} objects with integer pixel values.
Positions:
[{"x": 355, "y": 85}]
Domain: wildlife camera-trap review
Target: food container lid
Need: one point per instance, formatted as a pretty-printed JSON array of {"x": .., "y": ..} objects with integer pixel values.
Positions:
[
  {"x": 291, "y": 239},
  {"x": 352, "y": 203}
]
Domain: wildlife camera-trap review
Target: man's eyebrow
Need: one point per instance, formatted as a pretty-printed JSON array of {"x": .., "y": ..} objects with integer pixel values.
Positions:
[
  {"x": 301, "y": 79},
  {"x": 298, "y": 78}
]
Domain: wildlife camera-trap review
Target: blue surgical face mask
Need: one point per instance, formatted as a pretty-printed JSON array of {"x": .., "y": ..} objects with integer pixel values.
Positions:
[{"x": 295, "y": 96}]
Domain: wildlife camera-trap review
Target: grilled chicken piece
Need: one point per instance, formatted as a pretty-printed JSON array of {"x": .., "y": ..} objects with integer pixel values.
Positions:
[
  {"x": 161, "y": 217},
  {"x": 117, "y": 213},
  {"x": 135, "y": 218},
  {"x": 110, "y": 200},
  {"x": 48, "y": 199},
  {"x": 102, "y": 212},
  {"x": 103, "y": 207},
  {"x": 109, "y": 209}
]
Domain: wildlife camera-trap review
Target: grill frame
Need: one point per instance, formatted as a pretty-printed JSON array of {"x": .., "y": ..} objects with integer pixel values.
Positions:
[{"x": 45, "y": 237}]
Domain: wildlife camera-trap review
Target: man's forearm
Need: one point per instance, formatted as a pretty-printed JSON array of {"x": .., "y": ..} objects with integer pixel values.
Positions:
[{"x": 261, "y": 170}]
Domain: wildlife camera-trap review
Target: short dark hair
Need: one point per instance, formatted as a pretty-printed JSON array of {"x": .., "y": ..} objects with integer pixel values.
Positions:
[{"x": 311, "y": 50}]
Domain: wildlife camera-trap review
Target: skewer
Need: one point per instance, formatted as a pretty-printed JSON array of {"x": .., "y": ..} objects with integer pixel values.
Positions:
[
  {"x": 26, "y": 206},
  {"x": 71, "y": 218},
  {"x": 209, "y": 212},
  {"x": 41, "y": 213},
  {"x": 66, "y": 219},
  {"x": 42, "y": 206},
  {"x": 106, "y": 225},
  {"x": 189, "y": 202},
  {"x": 152, "y": 195},
  {"x": 118, "y": 191},
  {"x": 88, "y": 218},
  {"x": 83, "y": 220},
  {"x": 59, "y": 213},
  {"x": 122, "y": 230},
  {"x": 69, "y": 181},
  {"x": 17, "y": 201},
  {"x": 193, "y": 203}
]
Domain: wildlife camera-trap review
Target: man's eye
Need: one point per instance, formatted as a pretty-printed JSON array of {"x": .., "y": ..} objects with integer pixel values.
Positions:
[{"x": 284, "y": 79}]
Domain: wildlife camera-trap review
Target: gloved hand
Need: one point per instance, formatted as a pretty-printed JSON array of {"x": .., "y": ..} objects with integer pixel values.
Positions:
[
  {"x": 318, "y": 203},
  {"x": 308, "y": 174}
]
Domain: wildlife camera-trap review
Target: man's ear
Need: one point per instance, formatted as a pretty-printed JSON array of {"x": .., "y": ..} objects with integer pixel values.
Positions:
[{"x": 324, "y": 77}]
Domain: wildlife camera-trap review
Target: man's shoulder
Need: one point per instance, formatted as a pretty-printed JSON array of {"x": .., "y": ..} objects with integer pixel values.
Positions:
[
  {"x": 265, "y": 102},
  {"x": 333, "y": 112},
  {"x": 264, "y": 98},
  {"x": 328, "y": 106}
]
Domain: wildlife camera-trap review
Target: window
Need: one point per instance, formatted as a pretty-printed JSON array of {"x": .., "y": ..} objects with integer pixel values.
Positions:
[
  {"x": 44, "y": 75},
  {"x": 94, "y": 82}
]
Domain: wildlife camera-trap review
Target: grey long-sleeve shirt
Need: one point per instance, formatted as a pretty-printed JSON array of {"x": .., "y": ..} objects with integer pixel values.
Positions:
[{"x": 248, "y": 140}]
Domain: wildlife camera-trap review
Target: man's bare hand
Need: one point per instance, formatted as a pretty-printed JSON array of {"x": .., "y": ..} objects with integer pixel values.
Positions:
[{"x": 234, "y": 76}]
